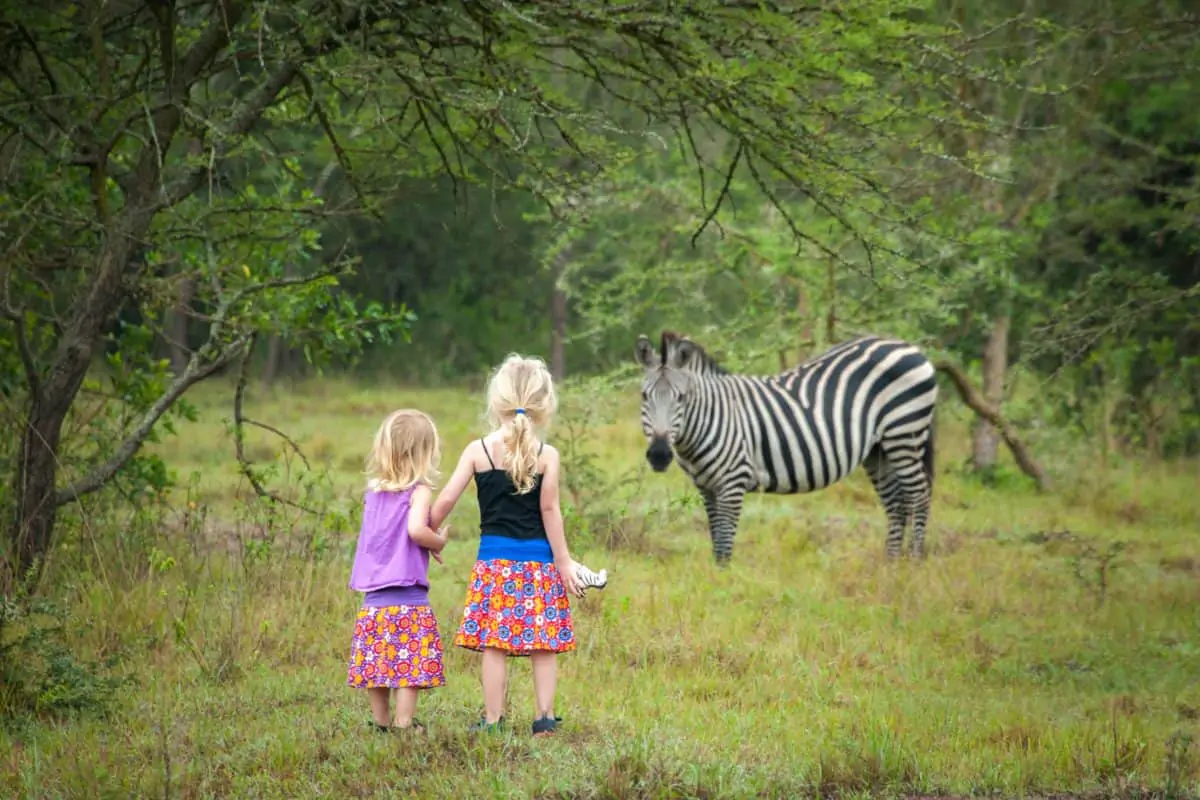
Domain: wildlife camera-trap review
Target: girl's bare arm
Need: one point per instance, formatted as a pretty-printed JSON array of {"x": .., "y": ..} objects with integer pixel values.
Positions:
[
  {"x": 553, "y": 521},
  {"x": 418, "y": 522},
  {"x": 453, "y": 488}
]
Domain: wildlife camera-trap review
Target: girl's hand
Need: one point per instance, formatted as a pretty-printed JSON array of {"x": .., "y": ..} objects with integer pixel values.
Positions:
[
  {"x": 570, "y": 581},
  {"x": 443, "y": 532}
]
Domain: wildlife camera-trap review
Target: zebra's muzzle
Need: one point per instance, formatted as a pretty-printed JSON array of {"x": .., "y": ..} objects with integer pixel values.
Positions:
[{"x": 659, "y": 454}]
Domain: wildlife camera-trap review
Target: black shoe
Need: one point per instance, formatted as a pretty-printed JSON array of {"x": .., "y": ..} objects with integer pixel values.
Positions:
[
  {"x": 546, "y": 726},
  {"x": 413, "y": 727}
]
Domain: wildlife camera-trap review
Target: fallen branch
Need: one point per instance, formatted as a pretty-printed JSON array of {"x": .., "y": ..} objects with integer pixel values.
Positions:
[{"x": 981, "y": 407}]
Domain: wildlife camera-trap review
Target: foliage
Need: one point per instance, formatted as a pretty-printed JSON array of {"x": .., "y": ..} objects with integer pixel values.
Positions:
[{"x": 41, "y": 674}]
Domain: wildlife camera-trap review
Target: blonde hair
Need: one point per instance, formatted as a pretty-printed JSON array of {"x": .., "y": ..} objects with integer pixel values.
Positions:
[
  {"x": 521, "y": 399},
  {"x": 406, "y": 452}
]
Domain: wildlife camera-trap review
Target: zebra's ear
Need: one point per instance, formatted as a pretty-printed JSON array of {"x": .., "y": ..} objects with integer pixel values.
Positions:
[
  {"x": 647, "y": 356},
  {"x": 681, "y": 353}
]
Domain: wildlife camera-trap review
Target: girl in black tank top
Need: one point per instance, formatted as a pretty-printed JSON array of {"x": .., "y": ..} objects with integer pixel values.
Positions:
[
  {"x": 504, "y": 512},
  {"x": 517, "y": 600}
]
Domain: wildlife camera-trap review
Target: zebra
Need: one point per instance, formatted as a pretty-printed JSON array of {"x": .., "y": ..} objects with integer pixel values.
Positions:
[{"x": 867, "y": 401}]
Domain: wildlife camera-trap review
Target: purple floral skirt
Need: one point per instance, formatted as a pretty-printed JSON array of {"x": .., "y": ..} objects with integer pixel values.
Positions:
[{"x": 396, "y": 647}]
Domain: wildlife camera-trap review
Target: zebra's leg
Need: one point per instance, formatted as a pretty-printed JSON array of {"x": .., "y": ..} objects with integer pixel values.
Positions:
[
  {"x": 920, "y": 518},
  {"x": 888, "y": 489},
  {"x": 724, "y": 509},
  {"x": 923, "y": 498},
  {"x": 912, "y": 484}
]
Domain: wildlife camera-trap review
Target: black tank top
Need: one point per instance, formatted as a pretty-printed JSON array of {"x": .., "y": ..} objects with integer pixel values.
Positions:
[{"x": 503, "y": 512}]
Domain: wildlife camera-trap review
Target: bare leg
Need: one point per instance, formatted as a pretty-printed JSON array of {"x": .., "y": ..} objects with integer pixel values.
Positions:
[
  {"x": 495, "y": 676},
  {"x": 406, "y": 706},
  {"x": 545, "y": 682},
  {"x": 380, "y": 700}
]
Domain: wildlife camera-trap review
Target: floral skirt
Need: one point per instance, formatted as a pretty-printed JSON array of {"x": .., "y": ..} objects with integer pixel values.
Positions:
[
  {"x": 520, "y": 607},
  {"x": 396, "y": 647}
]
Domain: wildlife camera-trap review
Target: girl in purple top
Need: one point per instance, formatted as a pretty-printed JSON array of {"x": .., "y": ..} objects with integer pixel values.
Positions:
[{"x": 396, "y": 644}]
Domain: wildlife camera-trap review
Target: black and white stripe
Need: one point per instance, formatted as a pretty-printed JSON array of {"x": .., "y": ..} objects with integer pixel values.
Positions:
[{"x": 866, "y": 402}]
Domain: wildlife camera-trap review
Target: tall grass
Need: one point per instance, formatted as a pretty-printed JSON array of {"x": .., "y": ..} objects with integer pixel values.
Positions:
[{"x": 1048, "y": 644}]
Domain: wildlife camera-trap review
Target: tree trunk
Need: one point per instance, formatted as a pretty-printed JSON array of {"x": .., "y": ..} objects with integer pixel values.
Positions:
[
  {"x": 831, "y": 314},
  {"x": 32, "y": 530},
  {"x": 986, "y": 439},
  {"x": 558, "y": 333},
  {"x": 804, "y": 347},
  {"x": 558, "y": 316},
  {"x": 177, "y": 329},
  {"x": 34, "y": 490},
  {"x": 275, "y": 360}
]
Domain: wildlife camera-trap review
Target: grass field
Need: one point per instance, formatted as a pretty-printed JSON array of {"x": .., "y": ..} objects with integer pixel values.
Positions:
[{"x": 1015, "y": 660}]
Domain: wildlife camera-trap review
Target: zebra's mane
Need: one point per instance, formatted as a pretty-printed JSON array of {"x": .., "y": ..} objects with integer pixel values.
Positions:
[{"x": 702, "y": 362}]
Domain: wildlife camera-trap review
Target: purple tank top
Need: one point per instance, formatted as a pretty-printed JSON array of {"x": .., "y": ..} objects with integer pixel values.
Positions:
[{"x": 385, "y": 556}]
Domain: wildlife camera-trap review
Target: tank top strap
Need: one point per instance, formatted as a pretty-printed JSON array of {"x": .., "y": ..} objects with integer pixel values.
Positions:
[
  {"x": 540, "y": 447},
  {"x": 483, "y": 444}
]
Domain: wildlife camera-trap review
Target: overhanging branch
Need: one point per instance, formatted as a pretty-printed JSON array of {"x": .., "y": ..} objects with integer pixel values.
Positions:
[{"x": 195, "y": 372}]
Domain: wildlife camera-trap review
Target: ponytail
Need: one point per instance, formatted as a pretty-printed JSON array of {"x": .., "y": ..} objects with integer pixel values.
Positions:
[
  {"x": 521, "y": 401},
  {"x": 521, "y": 445}
]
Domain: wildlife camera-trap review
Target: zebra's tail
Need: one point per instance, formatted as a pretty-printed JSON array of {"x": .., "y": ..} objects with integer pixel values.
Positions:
[{"x": 927, "y": 456}]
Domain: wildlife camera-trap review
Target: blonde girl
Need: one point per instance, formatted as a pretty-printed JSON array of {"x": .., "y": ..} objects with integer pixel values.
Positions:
[
  {"x": 396, "y": 647},
  {"x": 517, "y": 599}
]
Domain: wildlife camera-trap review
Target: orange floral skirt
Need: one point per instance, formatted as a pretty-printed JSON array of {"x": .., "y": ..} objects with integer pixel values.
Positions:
[{"x": 520, "y": 607}]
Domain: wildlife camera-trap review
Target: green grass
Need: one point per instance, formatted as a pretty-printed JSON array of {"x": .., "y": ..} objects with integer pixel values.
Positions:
[{"x": 811, "y": 666}]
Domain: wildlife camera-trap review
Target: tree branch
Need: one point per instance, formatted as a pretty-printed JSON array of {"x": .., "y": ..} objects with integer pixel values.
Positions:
[
  {"x": 343, "y": 159},
  {"x": 239, "y": 439},
  {"x": 976, "y": 403},
  {"x": 193, "y": 374},
  {"x": 263, "y": 99},
  {"x": 712, "y": 213},
  {"x": 23, "y": 348}
]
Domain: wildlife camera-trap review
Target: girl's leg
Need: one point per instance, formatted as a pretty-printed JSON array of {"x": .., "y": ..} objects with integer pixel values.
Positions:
[
  {"x": 545, "y": 682},
  {"x": 380, "y": 700},
  {"x": 495, "y": 676},
  {"x": 406, "y": 706}
]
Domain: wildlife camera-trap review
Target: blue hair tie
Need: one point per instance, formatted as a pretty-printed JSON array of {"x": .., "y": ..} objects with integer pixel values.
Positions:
[{"x": 520, "y": 411}]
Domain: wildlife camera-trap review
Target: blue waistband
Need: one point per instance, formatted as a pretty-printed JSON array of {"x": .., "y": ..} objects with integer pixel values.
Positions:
[{"x": 502, "y": 547}]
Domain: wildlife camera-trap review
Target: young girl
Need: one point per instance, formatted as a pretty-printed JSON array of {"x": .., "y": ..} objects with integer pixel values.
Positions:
[
  {"x": 517, "y": 599},
  {"x": 396, "y": 644}
]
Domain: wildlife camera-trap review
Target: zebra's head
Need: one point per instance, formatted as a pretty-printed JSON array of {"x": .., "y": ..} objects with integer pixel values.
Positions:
[{"x": 670, "y": 376}]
